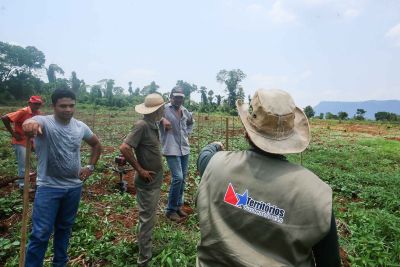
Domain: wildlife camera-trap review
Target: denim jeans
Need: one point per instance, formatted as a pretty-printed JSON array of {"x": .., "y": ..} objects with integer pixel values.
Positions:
[
  {"x": 178, "y": 166},
  {"x": 54, "y": 208},
  {"x": 20, "y": 152}
]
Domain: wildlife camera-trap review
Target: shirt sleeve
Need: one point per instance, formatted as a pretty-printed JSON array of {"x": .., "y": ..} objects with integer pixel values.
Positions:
[
  {"x": 326, "y": 251},
  {"x": 87, "y": 133},
  {"x": 205, "y": 155},
  {"x": 134, "y": 137},
  {"x": 40, "y": 119},
  {"x": 15, "y": 116}
]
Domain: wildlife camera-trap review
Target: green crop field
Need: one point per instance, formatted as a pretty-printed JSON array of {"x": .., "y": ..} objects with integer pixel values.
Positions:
[{"x": 359, "y": 160}]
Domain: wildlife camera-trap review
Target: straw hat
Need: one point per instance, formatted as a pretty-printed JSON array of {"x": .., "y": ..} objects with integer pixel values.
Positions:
[
  {"x": 152, "y": 102},
  {"x": 275, "y": 124}
]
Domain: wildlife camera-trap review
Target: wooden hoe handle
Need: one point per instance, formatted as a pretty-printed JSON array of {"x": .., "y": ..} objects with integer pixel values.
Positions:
[{"x": 26, "y": 203}]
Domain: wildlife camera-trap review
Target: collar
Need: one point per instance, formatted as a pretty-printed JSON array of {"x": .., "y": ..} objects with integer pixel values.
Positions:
[
  {"x": 171, "y": 106},
  {"x": 152, "y": 124},
  {"x": 270, "y": 155},
  {"x": 29, "y": 110}
]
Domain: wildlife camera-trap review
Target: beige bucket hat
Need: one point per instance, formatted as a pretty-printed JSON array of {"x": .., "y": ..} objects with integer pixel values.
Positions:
[
  {"x": 152, "y": 102},
  {"x": 275, "y": 124}
]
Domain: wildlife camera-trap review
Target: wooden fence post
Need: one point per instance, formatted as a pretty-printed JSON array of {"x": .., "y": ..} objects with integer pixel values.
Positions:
[
  {"x": 93, "y": 118},
  {"x": 227, "y": 133},
  {"x": 198, "y": 133}
]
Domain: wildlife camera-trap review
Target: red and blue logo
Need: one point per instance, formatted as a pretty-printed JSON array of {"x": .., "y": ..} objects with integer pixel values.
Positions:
[{"x": 249, "y": 204}]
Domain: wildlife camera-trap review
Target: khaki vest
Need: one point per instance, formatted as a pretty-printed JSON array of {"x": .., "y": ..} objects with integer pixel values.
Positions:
[{"x": 256, "y": 210}]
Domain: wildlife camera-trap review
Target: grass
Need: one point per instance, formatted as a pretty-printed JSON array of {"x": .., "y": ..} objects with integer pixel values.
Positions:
[{"x": 359, "y": 160}]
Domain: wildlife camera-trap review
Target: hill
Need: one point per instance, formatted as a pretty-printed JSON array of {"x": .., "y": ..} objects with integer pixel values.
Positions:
[{"x": 371, "y": 106}]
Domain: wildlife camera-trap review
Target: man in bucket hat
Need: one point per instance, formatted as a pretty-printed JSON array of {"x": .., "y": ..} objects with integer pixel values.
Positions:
[
  {"x": 144, "y": 141},
  {"x": 256, "y": 208},
  {"x": 18, "y": 140}
]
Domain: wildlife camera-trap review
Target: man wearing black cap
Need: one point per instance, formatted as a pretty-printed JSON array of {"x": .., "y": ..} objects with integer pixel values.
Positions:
[{"x": 177, "y": 125}]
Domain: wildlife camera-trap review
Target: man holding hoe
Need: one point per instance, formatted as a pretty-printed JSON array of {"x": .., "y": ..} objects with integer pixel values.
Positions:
[{"x": 18, "y": 140}]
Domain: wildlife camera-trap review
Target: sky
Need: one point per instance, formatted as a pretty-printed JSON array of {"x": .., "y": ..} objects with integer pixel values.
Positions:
[{"x": 332, "y": 50}]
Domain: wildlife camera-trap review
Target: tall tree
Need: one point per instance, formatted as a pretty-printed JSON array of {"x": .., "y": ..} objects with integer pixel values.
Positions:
[
  {"x": 342, "y": 115},
  {"x": 360, "y": 114},
  {"x": 107, "y": 86},
  {"x": 150, "y": 89},
  {"x": 240, "y": 94},
  {"x": 51, "y": 72},
  {"x": 17, "y": 79},
  {"x": 83, "y": 86},
  {"x": 15, "y": 59},
  {"x": 386, "y": 116},
  {"x": 309, "y": 111},
  {"x": 130, "y": 90},
  {"x": 95, "y": 92},
  {"x": 118, "y": 90},
  {"x": 137, "y": 91},
  {"x": 231, "y": 79},
  {"x": 188, "y": 89},
  {"x": 219, "y": 98},
  {"x": 210, "y": 96},
  {"x": 203, "y": 92},
  {"x": 75, "y": 83}
]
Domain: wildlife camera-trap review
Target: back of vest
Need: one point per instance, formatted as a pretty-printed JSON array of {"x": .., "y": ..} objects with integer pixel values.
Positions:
[{"x": 260, "y": 211}]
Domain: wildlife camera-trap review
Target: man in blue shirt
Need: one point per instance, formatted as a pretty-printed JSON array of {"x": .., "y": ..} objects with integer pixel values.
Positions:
[
  {"x": 176, "y": 127},
  {"x": 60, "y": 175}
]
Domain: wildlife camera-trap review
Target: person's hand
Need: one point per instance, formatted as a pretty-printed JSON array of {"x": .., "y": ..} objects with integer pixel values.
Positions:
[
  {"x": 221, "y": 146},
  {"x": 31, "y": 128},
  {"x": 145, "y": 175},
  {"x": 17, "y": 136},
  {"x": 85, "y": 173},
  {"x": 167, "y": 124}
]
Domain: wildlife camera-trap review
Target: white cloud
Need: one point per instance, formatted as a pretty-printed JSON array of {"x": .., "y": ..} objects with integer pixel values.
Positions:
[
  {"x": 394, "y": 34},
  {"x": 140, "y": 73},
  {"x": 267, "y": 81},
  {"x": 351, "y": 13},
  {"x": 16, "y": 43},
  {"x": 138, "y": 76},
  {"x": 305, "y": 75},
  {"x": 315, "y": 2},
  {"x": 255, "y": 8},
  {"x": 279, "y": 14}
]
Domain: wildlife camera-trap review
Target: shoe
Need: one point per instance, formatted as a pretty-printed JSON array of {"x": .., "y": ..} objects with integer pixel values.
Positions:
[
  {"x": 181, "y": 213},
  {"x": 173, "y": 216}
]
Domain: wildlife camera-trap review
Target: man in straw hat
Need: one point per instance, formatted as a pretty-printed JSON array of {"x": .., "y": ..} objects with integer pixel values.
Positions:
[
  {"x": 256, "y": 208},
  {"x": 144, "y": 140},
  {"x": 18, "y": 140}
]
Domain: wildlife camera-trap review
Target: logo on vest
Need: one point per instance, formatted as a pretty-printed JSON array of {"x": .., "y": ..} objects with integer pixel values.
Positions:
[{"x": 249, "y": 204}]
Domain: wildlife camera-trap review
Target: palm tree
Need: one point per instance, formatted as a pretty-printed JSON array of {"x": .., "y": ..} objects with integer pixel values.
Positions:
[{"x": 51, "y": 72}]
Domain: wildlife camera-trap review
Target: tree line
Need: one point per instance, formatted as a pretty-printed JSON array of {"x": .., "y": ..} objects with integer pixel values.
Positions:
[
  {"x": 359, "y": 115},
  {"x": 20, "y": 69}
]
